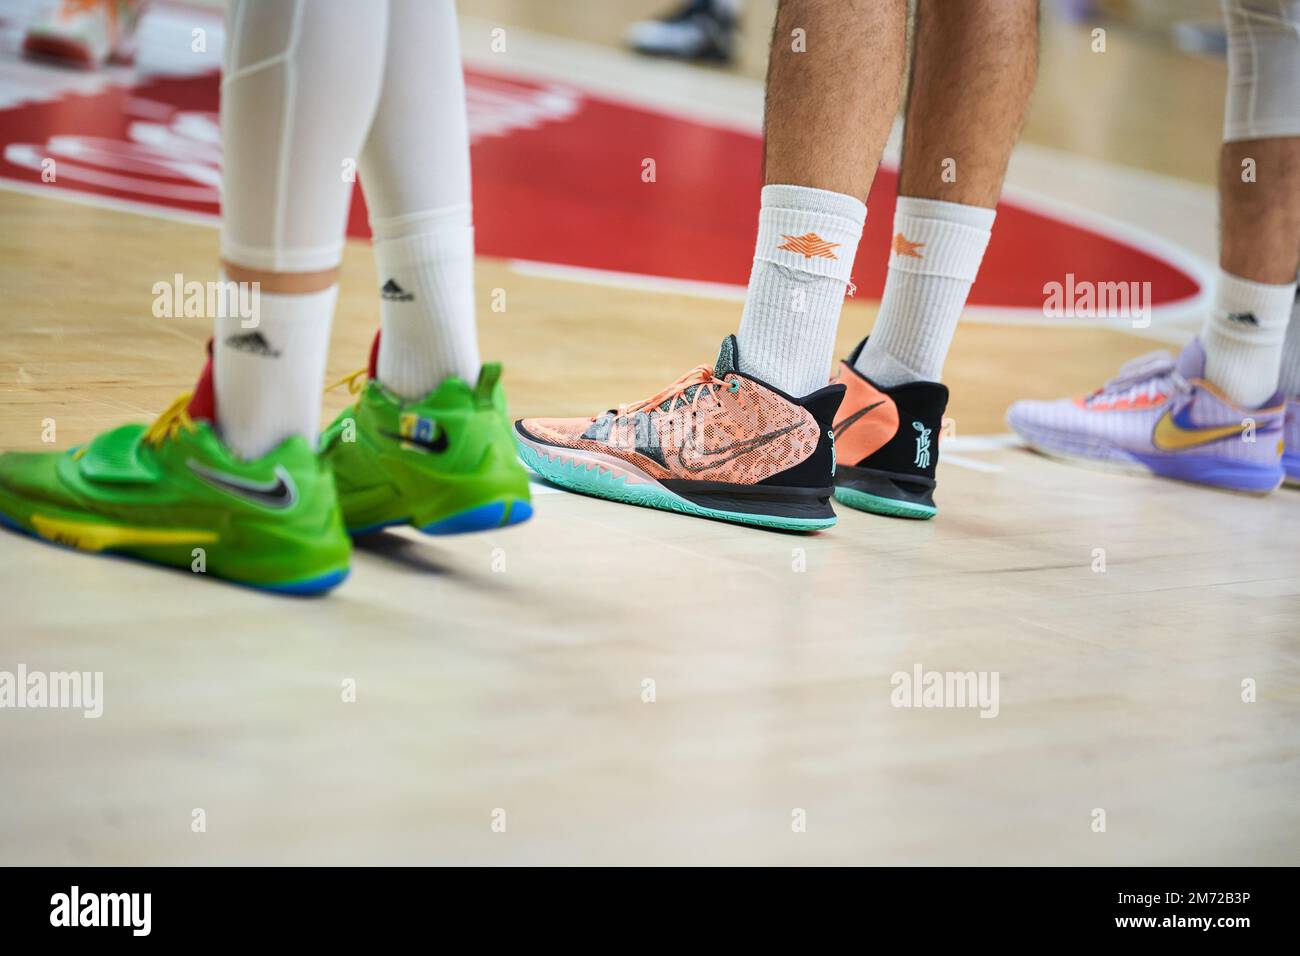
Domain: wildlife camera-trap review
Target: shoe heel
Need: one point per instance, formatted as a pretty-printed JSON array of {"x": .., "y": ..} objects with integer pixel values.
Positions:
[
  {"x": 497, "y": 514},
  {"x": 879, "y": 493}
]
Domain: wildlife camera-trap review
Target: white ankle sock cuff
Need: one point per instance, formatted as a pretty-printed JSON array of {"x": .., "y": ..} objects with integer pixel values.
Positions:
[
  {"x": 937, "y": 238},
  {"x": 811, "y": 230},
  {"x": 428, "y": 318},
  {"x": 285, "y": 313},
  {"x": 268, "y": 377},
  {"x": 423, "y": 251},
  {"x": 1270, "y": 305},
  {"x": 426, "y": 221}
]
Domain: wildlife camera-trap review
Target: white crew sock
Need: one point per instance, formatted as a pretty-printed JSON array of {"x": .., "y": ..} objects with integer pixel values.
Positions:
[
  {"x": 268, "y": 378},
  {"x": 807, "y": 239},
  {"x": 935, "y": 255},
  {"x": 1243, "y": 337},
  {"x": 416, "y": 175},
  {"x": 1289, "y": 380},
  {"x": 426, "y": 276}
]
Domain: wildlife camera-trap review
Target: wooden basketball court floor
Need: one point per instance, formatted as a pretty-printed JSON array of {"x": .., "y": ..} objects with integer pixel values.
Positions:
[{"x": 609, "y": 684}]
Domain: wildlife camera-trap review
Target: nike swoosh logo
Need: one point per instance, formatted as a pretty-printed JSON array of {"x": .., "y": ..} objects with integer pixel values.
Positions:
[
  {"x": 736, "y": 448},
  {"x": 279, "y": 493},
  {"x": 1170, "y": 436},
  {"x": 840, "y": 428},
  {"x": 437, "y": 446}
]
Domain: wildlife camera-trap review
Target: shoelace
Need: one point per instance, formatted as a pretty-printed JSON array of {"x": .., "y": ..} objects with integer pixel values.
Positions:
[
  {"x": 355, "y": 382},
  {"x": 171, "y": 421},
  {"x": 701, "y": 376},
  {"x": 1142, "y": 377}
]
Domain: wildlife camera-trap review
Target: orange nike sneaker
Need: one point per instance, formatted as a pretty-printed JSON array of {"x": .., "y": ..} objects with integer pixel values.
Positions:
[
  {"x": 887, "y": 443},
  {"x": 717, "y": 443},
  {"x": 85, "y": 33}
]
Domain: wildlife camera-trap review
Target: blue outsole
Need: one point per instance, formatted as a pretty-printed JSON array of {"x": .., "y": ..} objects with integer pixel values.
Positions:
[
  {"x": 498, "y": 514},
  {"x": 317, "y": 585},
  {"x": 305, "y": 588}
]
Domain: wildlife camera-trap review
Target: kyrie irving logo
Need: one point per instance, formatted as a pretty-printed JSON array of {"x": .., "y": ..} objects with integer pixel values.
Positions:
[{"x": 922, "y": 445}]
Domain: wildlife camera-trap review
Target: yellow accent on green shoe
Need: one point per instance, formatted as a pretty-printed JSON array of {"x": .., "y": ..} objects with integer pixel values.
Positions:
[{"x": 97, "y": 536}]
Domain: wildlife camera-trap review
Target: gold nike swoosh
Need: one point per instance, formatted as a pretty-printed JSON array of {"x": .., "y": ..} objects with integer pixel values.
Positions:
[{"x": 1169, "y": 437}]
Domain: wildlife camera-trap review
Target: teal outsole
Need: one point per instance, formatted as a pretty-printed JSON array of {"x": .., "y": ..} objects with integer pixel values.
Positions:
[
  {"x": 593, "y": 480},
  {"x": 876, "y": 505}
]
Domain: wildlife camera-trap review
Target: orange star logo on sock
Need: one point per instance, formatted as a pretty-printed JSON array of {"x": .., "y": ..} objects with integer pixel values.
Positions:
[
  {"x": 905, "y": 247},
  {"x": 809, "y": 245}
]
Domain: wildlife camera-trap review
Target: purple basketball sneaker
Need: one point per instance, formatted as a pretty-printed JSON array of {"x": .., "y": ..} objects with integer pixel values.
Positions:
[{"x": 1160, "y": 416}]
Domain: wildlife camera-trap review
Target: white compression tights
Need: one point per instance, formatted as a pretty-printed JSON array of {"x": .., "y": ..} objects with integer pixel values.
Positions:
[
  {"x": 313, "y": 92},
  {"x": 298, "y": 94},
  {"x": 415, "y": 173},
  {"x": 1263, "y": 69}
]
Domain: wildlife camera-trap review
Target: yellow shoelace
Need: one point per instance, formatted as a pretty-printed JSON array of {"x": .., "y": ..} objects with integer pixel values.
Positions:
[
  {"x": 176, "y": 417},
  {"x": 170, "y": 422},
  {"x": 355, "y": 382}
]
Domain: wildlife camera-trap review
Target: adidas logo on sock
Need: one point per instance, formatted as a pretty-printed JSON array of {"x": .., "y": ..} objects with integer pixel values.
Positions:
[
  {"x": 253, "y": 342},
  {"x": 395, "y": 292}
]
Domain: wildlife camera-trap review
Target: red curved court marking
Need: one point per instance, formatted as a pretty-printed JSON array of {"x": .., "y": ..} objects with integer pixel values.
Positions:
[{"x": 557, "y": 179}]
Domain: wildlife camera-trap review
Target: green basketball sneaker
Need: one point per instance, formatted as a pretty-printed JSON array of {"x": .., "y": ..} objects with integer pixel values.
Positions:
[
  {"x": 445, "y": 463},
  {"x": 173, "y": 494}
]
